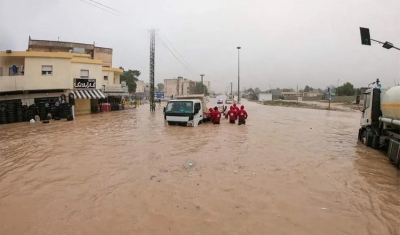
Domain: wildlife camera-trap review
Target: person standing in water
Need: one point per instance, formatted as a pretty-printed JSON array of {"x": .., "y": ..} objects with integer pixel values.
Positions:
[
  {"x": 242, "y": 115},
  {"x": 231, "y": 115},
  {"x": 216, "y": 116}
]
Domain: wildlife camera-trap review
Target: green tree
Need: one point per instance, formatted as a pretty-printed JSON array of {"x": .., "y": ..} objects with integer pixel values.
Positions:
[
  {"x": 130, "y": 77},
  {"x": 308, "y": 88},
  {"x": 199, "y": 88},
  {"x": 347, "y": 89},
  {"x": 160, "y": 87},
  {"x": 257, "y": 90}
]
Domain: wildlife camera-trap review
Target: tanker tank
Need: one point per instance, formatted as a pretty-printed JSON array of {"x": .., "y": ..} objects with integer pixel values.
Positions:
[{"x": 390, "y": 103}]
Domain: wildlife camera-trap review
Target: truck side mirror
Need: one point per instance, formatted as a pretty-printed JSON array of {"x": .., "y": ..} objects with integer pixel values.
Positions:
[
  {"x": 196, "y": 110},
  {"x": 358, "y": 99}
]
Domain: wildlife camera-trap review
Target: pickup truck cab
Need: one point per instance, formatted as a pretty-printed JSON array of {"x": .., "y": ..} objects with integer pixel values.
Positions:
[{"x": 186, "y": 111}]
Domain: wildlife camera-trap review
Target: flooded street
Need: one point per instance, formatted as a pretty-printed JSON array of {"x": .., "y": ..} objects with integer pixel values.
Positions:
[{"x": 288, "y": 171}]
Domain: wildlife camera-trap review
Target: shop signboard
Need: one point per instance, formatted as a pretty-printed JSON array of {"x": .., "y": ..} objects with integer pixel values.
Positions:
[
  {"x": 113, "y": 88},
  {"x": 84, "y": 83}
]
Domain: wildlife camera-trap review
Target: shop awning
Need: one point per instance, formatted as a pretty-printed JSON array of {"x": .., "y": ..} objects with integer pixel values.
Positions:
[
  {"x": 88, "y": 94},
  {"x": 116, "y": 93}
]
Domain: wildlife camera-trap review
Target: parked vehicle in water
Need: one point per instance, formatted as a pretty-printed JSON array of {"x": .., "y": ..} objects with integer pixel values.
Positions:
[
  {"x": 219, "y": 101},
  {"x": 380, "y": 121},
  {"x": 186, "y": 110},
  {"x": 229, "y": 101}
]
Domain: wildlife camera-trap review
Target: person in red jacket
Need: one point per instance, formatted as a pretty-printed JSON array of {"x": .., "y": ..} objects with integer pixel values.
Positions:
[
  {"x": 242, "y": 115},
  {"x": 211, "y": 113},
  {"x": 231, "y": 115},
  {"x": 216, "y": 116}
]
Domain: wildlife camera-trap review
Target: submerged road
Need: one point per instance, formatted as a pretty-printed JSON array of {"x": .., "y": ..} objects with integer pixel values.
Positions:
[{"x": 288, "y": 171}]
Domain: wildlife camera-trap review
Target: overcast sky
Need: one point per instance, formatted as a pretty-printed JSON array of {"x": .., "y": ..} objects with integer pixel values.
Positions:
[{"x": 284, "y": 43}]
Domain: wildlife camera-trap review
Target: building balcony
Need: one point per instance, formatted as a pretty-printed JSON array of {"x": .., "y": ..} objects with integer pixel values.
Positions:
[{"x": 21, "y": 83}]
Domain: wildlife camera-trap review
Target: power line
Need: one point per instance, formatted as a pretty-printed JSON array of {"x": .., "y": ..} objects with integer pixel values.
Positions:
[
  {"x": 99, "y": 7},
  {"x": 178, "y": 53},
  {"x": 166, "y": 46},
  {"x": 104, "y": 5}
]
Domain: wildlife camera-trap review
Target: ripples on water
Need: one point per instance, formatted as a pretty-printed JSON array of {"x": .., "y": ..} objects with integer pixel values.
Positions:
[{"x": 288, "y": 171}]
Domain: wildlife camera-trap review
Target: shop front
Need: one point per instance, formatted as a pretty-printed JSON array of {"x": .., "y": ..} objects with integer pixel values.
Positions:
[
  {"x": 87, "y": 97},
  {"x": 116, "y": 95}
]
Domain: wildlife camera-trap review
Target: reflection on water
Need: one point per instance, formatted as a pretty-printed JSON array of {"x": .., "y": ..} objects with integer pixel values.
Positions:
[{"x": 288, "y": 171}]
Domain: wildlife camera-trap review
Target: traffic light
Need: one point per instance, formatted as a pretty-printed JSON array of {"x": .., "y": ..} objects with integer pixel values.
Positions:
[{"x": 365, "y": 38}]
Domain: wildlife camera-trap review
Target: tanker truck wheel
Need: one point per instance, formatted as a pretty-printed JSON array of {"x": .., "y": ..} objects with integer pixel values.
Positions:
[
  {"x": 363, "y": 137},
  {"x": 367, "y": 137},
  {"x": 375, "y": 142}
]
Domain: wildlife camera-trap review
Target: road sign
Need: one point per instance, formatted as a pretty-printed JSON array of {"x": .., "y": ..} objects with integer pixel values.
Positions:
[
  {"x": 329, "y": 94},
  {"x": 159, "y": 95}
]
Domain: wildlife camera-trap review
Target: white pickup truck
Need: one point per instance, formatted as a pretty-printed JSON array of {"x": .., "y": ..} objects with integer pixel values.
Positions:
[{"x": 187, "y": 110}]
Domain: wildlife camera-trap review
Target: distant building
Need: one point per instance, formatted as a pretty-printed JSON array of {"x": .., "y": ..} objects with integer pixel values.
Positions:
[
  {"x": 97, "y": 53},
  {"x": 139, "y": 86},
  {"x": 208, "y": 85},
  {"x": 177, "y": 86}
]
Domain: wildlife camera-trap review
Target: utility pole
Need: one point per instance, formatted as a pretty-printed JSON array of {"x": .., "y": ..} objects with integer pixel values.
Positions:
[
  {"x": 231, "y": 91},
  {"x": 152, "y": 59},
  {"x": 238, "y": 99},
  {"x": 202, "y": 85}
]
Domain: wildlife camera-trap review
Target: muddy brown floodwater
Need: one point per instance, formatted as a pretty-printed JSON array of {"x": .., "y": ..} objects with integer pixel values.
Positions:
[{"x": 288, "y": 171}]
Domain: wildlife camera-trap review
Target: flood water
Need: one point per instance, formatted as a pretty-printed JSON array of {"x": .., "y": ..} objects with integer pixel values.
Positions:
[{"x": 287, "y": 171}]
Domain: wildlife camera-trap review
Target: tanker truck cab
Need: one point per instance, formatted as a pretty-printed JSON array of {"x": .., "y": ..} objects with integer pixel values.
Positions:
[
  {"x": 380, "y": 121},
  {"x": 184, "y": 112}
]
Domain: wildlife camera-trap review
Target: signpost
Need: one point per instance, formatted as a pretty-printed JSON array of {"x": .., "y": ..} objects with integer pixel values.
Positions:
[{"x": 329, "y": 98}]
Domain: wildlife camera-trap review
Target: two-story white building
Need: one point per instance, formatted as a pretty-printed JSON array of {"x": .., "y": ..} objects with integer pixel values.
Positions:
[{"x": 35, "y": 76}]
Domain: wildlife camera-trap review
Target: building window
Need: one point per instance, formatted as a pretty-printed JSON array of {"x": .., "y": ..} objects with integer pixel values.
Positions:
[
  {"x": 47, "y": 69},
  {"x": 105, "y": 78},
  {"x": 84, "y": 73}
]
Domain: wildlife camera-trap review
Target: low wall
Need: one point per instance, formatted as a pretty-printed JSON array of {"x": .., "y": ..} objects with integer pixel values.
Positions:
[{"x": 343, "y": 98}]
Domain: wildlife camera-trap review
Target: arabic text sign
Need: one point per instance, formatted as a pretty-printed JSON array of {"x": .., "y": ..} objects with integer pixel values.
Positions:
[{"x": 84, "y": 83}]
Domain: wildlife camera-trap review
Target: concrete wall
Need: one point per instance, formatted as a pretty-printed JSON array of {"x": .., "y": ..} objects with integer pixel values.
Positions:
[
  {"x": 36, "y": 81},
  {"x": 95, "y": 72},
  {"x": 110, "y": 76},
  {"x": 104, "y": 54},
  {"x": 343, "y": 98}
]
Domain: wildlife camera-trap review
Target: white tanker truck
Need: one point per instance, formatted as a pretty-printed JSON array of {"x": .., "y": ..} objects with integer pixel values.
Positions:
[{"x": 380, "y": 121}]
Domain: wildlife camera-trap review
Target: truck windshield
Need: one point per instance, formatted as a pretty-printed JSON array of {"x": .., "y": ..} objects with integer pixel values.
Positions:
[{"x": 179, "y": 107}]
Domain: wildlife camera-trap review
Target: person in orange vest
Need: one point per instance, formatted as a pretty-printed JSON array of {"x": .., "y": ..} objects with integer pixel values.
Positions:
[
  {"x": 216, "y": 116},
  {"x": 242, "y": 115}
]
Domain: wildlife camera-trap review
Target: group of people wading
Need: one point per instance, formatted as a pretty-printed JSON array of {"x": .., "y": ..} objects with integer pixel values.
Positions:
[{"x": 233, "y": 114}]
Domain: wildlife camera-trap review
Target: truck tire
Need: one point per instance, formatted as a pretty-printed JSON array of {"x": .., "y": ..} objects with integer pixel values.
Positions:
[
  {"x": 369, "y": 138},
  {"x": 375, "y": 142}
]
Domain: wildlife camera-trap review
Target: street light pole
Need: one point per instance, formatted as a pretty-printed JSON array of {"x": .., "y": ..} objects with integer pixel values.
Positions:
[
  {"x": 202, "y": 85},
  {"x": 238, "y": 99}
]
